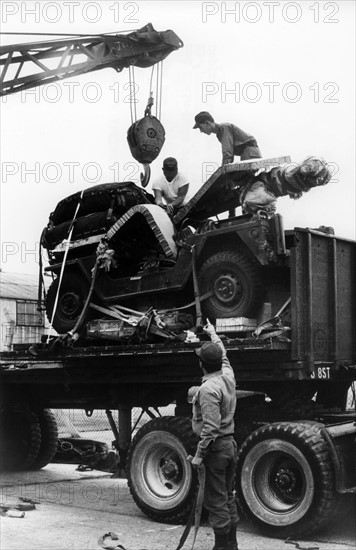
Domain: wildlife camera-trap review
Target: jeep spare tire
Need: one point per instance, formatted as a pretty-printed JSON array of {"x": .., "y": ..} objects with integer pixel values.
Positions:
[{"x": 72, "y": 295}]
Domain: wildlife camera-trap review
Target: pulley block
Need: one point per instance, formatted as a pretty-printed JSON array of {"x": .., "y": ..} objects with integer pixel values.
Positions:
[{"x": 146, "y": 138}]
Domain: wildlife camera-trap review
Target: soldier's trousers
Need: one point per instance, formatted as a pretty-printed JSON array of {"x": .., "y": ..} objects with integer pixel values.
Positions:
[
  {"x": 251, "y": 152},
  {"x": 219, "y": 498}
]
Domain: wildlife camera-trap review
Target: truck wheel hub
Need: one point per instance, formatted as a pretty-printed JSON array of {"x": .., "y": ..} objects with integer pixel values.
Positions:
[
  {"x": 285, "y": 480},
  {"x": 169, "y": 469},
  {"x": 226, "y": 288}
]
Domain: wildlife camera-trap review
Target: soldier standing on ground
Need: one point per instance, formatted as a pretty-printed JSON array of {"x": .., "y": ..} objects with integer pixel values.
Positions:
[
  {"x": 213, "y": 421},
  {"x": 234, "y": 141}
]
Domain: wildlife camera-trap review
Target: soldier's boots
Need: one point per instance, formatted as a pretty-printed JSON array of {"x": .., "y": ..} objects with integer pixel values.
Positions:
[
  {"x": 231, "y": 539},
  {"x": 221, "y": 541}
]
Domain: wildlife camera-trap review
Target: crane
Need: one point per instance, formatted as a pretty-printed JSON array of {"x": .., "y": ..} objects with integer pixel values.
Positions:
[
  {"x": 81, "y": 54},
  {"x": 32, "y": 64}
]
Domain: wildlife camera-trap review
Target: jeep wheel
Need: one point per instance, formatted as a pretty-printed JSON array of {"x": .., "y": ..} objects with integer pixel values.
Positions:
[
  {"x": 235, "y": 282},
  {"x": 161, "y": 480},
  {"x": 72, "y": 295},
  {"x": 285, "y": 479}
]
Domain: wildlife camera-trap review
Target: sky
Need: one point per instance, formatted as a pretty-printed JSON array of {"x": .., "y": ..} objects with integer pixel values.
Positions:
[{"x": 282, "y": 71}]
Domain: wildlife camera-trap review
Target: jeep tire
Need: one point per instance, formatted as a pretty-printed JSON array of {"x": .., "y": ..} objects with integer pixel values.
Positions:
[{"x": 235, "y": 282}]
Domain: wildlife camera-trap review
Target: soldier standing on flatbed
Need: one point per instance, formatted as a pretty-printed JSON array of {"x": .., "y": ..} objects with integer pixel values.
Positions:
[{"x": 213, "y": 421}]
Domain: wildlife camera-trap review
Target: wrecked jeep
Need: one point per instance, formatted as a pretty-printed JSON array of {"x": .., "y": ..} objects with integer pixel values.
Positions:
[{"x": 196, "y": 261}]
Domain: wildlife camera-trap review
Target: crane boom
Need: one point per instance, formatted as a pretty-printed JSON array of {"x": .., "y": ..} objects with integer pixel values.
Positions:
[{"x": 68, "y": 57}]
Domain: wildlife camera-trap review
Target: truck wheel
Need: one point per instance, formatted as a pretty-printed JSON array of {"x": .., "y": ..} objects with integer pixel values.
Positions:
[
  {"x": 235, "y": 283},
  {"x": 49, "y": 439},
  {"x": 72, "y": 295},
  {"x": 285, "y": 479},
  {"x": 161, "y": 480},
  {"x": 20, "y": 437}
]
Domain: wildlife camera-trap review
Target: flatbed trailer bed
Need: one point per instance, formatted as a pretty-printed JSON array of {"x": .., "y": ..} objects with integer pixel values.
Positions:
[{"x": 102, "y": 376}]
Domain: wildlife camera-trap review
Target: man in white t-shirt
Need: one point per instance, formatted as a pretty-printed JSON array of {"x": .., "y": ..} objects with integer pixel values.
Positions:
[{"x": 171, "y": 188}]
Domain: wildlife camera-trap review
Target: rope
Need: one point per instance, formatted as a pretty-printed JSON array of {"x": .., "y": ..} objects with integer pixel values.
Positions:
[
  {"x": 157, "y": 91},
  {"x": 130, "y": 81},
  {"x": 72, "y": 335},
  {"x": 186, "y": 306},
  {"x": 40, "y": 278},
  {"x": 133, "y": 98},
  {"x": 64, "y": 262},
  {"x": 196, "y": 511},
  {"x": 150, "y": 90},
  {"x": 160, "y": 91},
  {"x": 87, "y": 302}
]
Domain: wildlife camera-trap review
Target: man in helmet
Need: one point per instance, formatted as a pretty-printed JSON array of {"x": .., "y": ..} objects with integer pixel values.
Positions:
[
  {"x": 171, "y": 187},
  {"x": 213, "y": 421},
  {"x": 234, "y": 141}
]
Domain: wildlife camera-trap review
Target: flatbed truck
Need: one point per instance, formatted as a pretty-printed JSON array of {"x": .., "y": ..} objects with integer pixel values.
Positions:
[{"x": 295, "y": 432}]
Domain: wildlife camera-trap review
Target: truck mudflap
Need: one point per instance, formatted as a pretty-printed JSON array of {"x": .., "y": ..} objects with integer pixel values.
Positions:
[{"x": 341, "y": 441}]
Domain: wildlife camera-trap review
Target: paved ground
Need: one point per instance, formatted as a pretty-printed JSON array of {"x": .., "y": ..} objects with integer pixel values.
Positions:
[{"x": 76, "y": 508}]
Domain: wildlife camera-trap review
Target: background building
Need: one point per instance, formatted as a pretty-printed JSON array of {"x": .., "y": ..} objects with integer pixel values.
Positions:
[{"x": 19, "y": 318}]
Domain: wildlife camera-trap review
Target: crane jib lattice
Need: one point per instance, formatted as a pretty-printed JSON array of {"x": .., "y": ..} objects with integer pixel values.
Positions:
[{"x": 37, "y": 63}]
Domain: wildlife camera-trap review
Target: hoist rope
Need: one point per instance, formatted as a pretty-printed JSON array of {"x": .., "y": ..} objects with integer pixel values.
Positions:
[
  {"x": 160, "y": 89},
  {"x": 150, "y": 90},
  {"x": 157, "y": 93},
  {"x": 130, "y": 94},
  {"x": 133, "y": 96}
]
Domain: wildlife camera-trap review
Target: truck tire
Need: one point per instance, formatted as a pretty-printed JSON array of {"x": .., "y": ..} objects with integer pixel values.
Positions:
[
  {"x": 161, "y": 480},
  {"x": 285, "y": 479},
  {"x": 20, "y": 438},
  {"x": 235, "y": 282},
  {"x": 72, "y": 295},
  {"x": 49, "y": 439}
]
